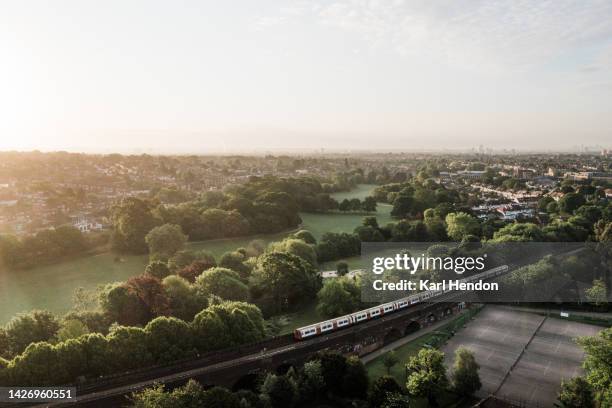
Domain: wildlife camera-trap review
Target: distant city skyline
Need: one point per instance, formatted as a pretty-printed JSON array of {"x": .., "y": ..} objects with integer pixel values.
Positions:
[{"x": 222, "y": 77}]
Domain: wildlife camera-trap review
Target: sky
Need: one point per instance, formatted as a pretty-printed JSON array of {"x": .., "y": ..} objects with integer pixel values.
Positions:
[{"x": 242, "y": 75}]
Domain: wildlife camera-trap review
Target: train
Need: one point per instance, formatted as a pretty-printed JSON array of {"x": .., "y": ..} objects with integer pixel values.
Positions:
[{"x": 338, "y": 323}]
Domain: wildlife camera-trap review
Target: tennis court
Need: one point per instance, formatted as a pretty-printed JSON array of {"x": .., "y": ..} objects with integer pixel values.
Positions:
[{"x": 536, "y": 353}]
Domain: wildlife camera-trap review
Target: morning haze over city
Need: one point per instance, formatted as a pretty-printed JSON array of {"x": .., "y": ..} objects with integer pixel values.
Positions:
[{"x": 306, "y": 203}]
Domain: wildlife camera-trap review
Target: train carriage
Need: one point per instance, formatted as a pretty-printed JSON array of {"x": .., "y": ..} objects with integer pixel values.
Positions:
[{"x": 386, "y": 308}]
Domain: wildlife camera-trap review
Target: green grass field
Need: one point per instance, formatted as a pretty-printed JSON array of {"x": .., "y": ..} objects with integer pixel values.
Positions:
[
  {"x": 436, "y": 338},
  {"x": 376, "y": 368},
  {"x": 51, "y": 287}
]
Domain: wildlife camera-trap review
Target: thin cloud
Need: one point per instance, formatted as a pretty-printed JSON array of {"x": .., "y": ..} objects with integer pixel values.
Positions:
[{"x": 478, "y": 35}]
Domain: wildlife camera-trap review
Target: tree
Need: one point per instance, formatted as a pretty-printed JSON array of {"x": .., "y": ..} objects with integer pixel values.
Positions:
[
  {"x": 338, "y": 245},
  {"x": 157, "y": 269},
  {"x": 221, "y": 282},
  {"x": 519, "y": 232},
  {"x": 151, "y": 293},
  {"x": 217, "y": 223},
  {"x": 234, "y": 260},
  {"x": 305, "y": 236},
  {"x": 312, "y": 380},
  {"x": 338, "y": 297},
  {"x": 576, "y": 393},
  {"x": 217, "y": 397},
  {"x": 71, "y": 329},
  {"x": 193, "y": 270},
  {"x": 570, "y": 202},
  {"x": 389, "y": 360},
  {"x": 281, "y": 281},
  {"x": 342, "y": 268},
  {"x": 280, "y": 391},
  {"x": 184, "y": 301},
  {"x": 154, "y": 397},
  {"x": 122, "y": 304},
  {"x": 369, "y": 221},
  {"x": 38, "y": 364},
  {"x": 396, "y": 400},
  {"x": 355, "y": 381},
  {"x": 166, "y": 240},
  {"x": 27, "y": 328},
  {"x": 333, "y": 368},
  {"x": 598, "y": 351},
  {"x": 128, "y": 348},
  {"x": 596, "y": 294},
  {"x": 96, "y": 321},
  {"x": 544, "y": 201},
  {"x": 460, "y": 224},
  {"x": 210, "y": 331},
  {"x": 169, "y": 339},
  {"x": 190, "y": 395},
  {"x": 181, "y": 259},
  {"x": 427, "y": 374},
  {"x": 296, "y": 247},
  {"x": 466, "y": 380},
  {"x": 369, "y": 234},
  {"x": 403, "y": 205},
  {"x": 4, "y": 344},
  {"x": 381, "y": 389},
  {"x": 227, "y": 324},
  {"x": 132, "y": 220},
  {"x": 345, "y": 205},
  {"x": 369, "y": 204}
]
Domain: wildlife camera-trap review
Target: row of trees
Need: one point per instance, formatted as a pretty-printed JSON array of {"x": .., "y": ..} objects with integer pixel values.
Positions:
[
  {"x": 330, "y": 379},
  {"x": 279, "y": 278},
  {"x": 262, "y": 205},
  {"x": 327, "y": 379},
  {"x": 367, "y": 205},
  {"x": 413, "y": 197},
  {"x": 162, "y": 340},
  {"x": 44, "y": 247}
]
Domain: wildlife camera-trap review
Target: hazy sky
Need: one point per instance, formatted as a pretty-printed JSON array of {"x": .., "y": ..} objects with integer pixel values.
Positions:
[{"x": 256, "y": 74}]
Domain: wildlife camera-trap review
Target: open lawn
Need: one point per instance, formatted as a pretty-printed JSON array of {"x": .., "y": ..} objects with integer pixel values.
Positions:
[
  {"x": 51, "y": 287},
  {"x": 376, "y": 368},
  {"x": 292, "y": 321},
  {"x": 435, "y": 338}
]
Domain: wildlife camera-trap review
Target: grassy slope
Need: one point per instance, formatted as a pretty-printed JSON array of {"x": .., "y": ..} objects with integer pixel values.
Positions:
[{"x": 51, "y": 287}]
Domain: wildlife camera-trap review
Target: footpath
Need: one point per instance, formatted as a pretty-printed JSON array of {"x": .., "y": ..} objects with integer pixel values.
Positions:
[{"x": 411, "y": 337}]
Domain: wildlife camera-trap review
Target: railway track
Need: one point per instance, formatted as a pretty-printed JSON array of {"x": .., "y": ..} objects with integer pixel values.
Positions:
[{"x": 127, "y": 383}]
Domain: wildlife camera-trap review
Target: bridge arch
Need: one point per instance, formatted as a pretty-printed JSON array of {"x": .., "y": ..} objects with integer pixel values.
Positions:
[
  {"x": 285, "y": 366},
  {"x": 412, "y": 327},
  {"x": 248, "y": 381},
  {"x": 392, "y": 335}
]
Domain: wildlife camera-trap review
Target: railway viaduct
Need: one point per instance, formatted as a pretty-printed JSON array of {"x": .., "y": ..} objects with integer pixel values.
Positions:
[{"x": 238, "y": 368}]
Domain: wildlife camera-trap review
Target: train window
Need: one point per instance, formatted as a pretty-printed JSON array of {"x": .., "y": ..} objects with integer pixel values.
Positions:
[
  {"x": 327, "y": 326},
  {"x": 342, "y": 323},
  {"x": 388, "y": 308},
  {"x": 375, "y": 312}
]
